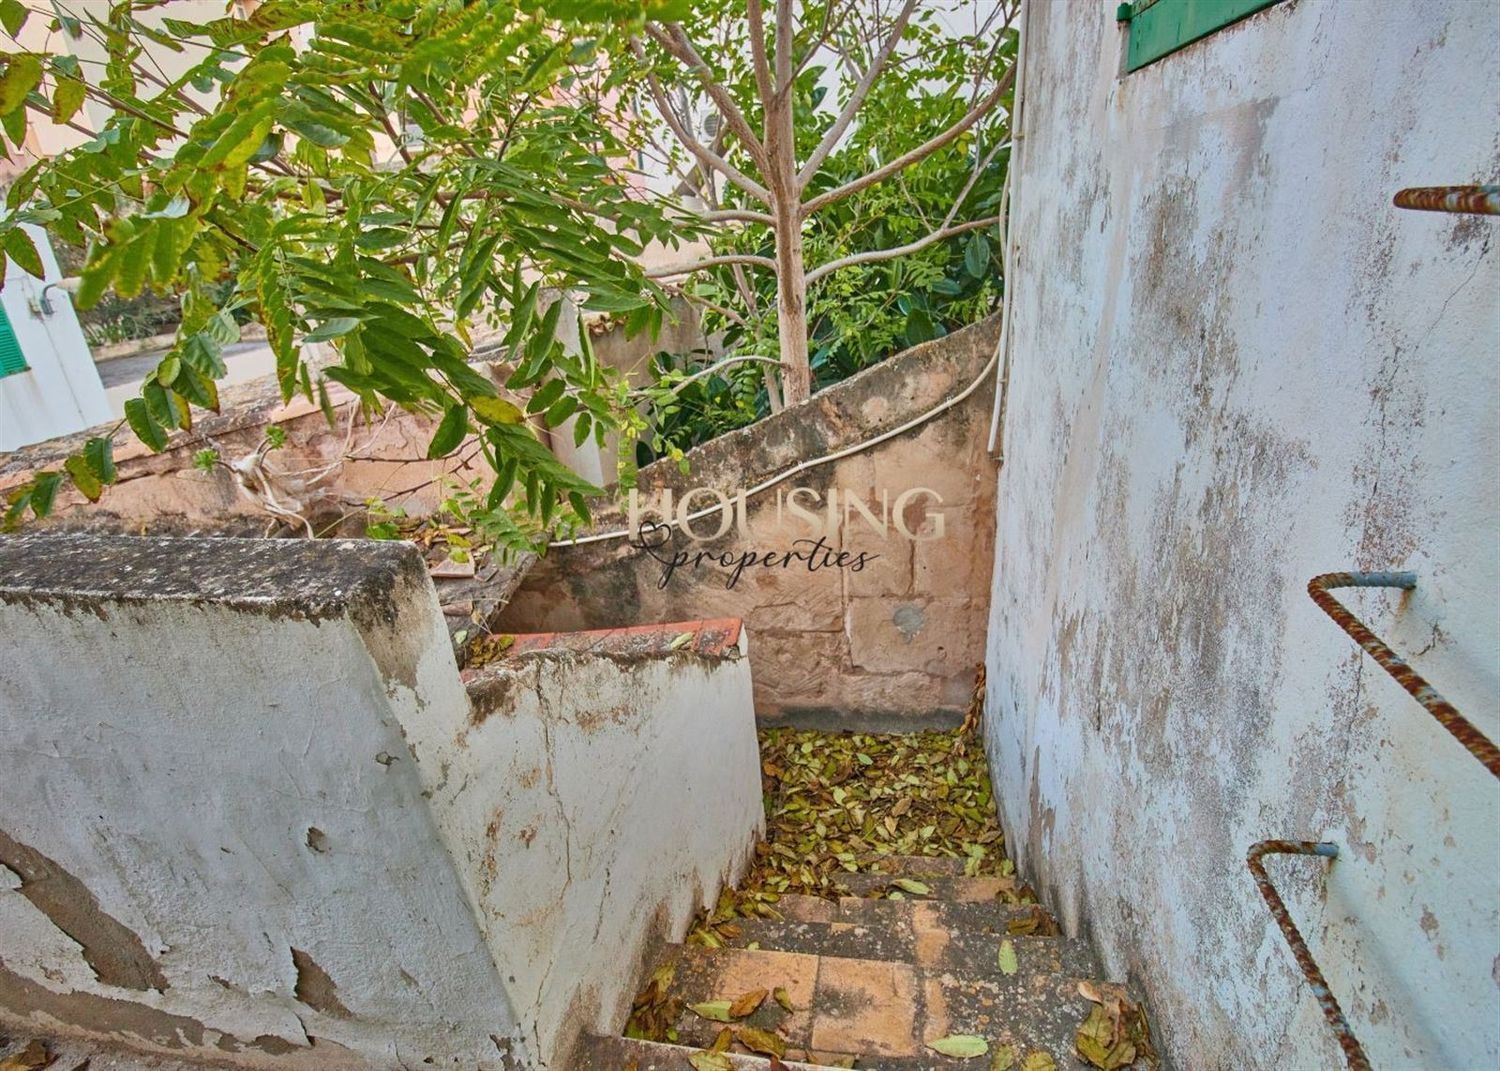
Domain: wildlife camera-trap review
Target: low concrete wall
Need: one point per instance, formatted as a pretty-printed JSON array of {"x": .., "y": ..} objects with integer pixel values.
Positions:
[
  {"x": 213, "y": 838},
  {"x": 249, "y": 813},
  {"x": 164, "y": 494},
  {"x": 894, "y": 643},
  {"x": 597, "y": 798}
]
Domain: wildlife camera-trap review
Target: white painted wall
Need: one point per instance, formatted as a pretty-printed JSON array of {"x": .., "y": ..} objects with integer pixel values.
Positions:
[
  {"x": 594, "y": 803},
  {"x": 1236, "y": 366},
  {"x": 174, "y": 724},
  {"x": 61, "y": 392},
  {"x": 237, "y": 748}
]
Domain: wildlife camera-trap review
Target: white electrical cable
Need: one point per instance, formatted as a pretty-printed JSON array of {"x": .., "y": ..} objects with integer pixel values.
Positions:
[
  {"x": 803, "y": 466},
  {"x": 1008, "y": 249}
]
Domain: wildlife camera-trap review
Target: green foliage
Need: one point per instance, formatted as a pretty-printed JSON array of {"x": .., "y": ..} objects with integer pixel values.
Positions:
[
  {"x": 378, "y": 178},
  {"x": 863, "y": 312}
]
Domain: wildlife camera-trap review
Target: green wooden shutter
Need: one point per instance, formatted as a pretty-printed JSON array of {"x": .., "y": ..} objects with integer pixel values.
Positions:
[
  {"x": 1160, "y": 27},
  {"x": 11, "y": 358}
]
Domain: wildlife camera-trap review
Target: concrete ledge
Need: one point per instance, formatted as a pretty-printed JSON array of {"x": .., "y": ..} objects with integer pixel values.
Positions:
[{"x": 311, "y": 579}]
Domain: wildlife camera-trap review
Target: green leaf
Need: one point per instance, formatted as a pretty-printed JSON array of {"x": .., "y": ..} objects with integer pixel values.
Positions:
[
  {"x": 550, "y": 392},
  {"x": 43, "y": 490},
  {"x": 977, "y": 255},
  {"x": 560, "y": 410},
  {"x": 23, "y": 73},
  {"x": 334, "y": 328},
  {"x": 67, "y": 99},
  {"x": 1004, "y": 1058},
  {"x": 450, "y": 432},
  {"x": 13, "y": 15},
  {"x": 962, "y": 1046},
  {"x": 99, "y": 453},
  {"x": 145, "y": 426},
  {"x": 916, "y": 888},
  {"x": 83, "y": 477},
  {"x": 1007, "y": 958},
  {"x": 715, "y": 1010},
  {"x": 20, "y": 248}
]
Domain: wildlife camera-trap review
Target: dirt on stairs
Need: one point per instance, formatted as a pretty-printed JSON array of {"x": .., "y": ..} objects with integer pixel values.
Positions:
[{"x": 877, "y": 934}]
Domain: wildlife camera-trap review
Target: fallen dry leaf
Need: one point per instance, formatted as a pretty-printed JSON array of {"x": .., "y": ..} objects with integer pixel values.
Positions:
[
  {"x": 962, "y": 1046},
  {"x": 761, "y": 1041},
  {"x": 34, "y": 1057},
  {"x": 715, "y": 1010},
  {"x": 746, "y": 1004},
  {"x": 783, "y": 998}
]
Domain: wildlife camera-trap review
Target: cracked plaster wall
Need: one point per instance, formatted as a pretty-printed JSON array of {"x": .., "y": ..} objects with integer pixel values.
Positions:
[
  {"x": 1236, "y": 366},
  {"x": 214, "y": 840},
  {"x": 595, "y": 804}
]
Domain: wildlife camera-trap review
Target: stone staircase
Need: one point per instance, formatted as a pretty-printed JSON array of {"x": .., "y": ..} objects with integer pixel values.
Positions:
[{"x": 909, "y": 953}]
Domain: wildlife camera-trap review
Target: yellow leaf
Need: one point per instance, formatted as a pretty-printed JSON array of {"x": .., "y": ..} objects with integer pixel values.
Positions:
[
  {"x": 1004, "y": 1058},
  {"x": 710, "y": 1061},
  {"x": 761, "y": 1041},
  {"x": 747, "y": 1003},
  {"x": 783, "y": 998},
  {"x": 496, "y": 410},
  {"x": 1039, "y": 1061}
]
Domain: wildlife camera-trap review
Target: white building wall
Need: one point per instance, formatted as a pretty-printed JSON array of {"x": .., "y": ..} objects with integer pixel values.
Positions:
[
  {"x": 60, "y": 393},
  {"x": 1236, "y": 366}
]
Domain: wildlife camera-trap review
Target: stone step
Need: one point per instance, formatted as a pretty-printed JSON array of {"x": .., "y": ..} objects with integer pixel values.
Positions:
[
  {"x": 880, "y": 1011},
  {"x": 960, "y": 951},
  {"x": 916, "y": 866},
  {"x": 627, "y": 1054},
  {"x": 982, "y": 917},
  {"x": 956, "y": 888}
]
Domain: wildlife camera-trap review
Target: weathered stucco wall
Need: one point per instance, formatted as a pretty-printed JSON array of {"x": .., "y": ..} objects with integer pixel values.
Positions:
[
  {"x": 1237, "y": 366},
  {"x": 598, "y": 797},
  {"x": 249, "y": 812},
  {"x": 895, "y": 642},
  {"x": 213, "y": 837}
]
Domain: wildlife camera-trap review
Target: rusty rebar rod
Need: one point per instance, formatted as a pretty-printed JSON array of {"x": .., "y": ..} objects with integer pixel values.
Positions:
[
  {"x": 1354, "y": 1054},
  {"x": 1463, "y": 730},
  {"x": 1473, "y": 200}
]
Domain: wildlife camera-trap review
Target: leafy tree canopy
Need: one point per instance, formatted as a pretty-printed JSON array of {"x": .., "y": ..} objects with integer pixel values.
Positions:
[{"x": 381, "y": 176}]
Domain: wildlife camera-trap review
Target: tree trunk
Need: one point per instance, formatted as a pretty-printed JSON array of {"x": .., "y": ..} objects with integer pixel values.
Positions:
[{"x": 791, "y": 307}]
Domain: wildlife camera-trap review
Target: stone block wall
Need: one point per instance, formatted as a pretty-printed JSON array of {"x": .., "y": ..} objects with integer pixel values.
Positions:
[{"x": 894, "y": 643}]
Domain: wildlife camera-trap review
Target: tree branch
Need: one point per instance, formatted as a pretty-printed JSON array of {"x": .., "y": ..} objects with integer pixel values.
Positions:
[
  {"x": 675, "y": 40},
  {"x": 712, "y": 262},
  {"x": 900, "y": 250},
  {"x": 921, "y": 152},
  {"x": 757, "y": 21},
  {"x": 857, "y": 98},
  {"x": 692, "y": 145}
]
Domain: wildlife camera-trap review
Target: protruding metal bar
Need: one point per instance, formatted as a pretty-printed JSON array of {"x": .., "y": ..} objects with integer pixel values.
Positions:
[
  {"x": 1475, "y": 200},
  {"x": 1463, "y": 730},
  {"x": 1354, "y": 1054}
]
